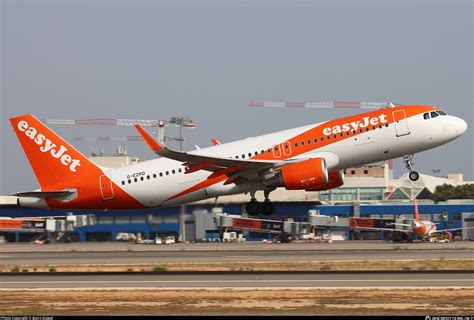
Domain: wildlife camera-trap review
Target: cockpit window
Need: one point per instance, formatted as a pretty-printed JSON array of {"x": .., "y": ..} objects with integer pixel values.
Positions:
[
  {"x": 434, "y": 114},
  {"x": 426, "y": 116},
  {"x": 441, "y": 113}
]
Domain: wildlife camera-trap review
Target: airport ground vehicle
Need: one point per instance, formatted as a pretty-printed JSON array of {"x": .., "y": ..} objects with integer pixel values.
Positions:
[{"x": 310, "y": 158}]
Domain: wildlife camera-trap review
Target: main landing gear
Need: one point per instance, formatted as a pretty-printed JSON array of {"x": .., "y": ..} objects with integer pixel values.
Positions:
[
  {"x": 408, "y": 160},
  {"x": 253, "y": 208}
]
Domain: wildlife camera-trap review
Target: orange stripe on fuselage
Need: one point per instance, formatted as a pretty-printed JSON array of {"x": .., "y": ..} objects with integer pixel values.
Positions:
[{"x": 317, "y": 133}]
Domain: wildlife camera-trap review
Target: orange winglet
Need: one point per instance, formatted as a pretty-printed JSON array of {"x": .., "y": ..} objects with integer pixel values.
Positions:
[
  {"x": 215, "y": 142},
  {"x": 199, "y": 167},
  {"x": 148, "y": 138}
]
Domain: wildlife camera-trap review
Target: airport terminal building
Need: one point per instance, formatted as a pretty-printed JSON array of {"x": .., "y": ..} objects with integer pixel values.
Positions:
[{"x": 368, "y": 192}]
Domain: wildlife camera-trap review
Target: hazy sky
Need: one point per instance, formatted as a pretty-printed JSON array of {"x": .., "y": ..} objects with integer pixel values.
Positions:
[{"x": 207, "y": 59}]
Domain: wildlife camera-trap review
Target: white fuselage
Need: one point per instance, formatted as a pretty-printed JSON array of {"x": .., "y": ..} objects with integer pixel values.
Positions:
[{"x": 154, "y": 182}]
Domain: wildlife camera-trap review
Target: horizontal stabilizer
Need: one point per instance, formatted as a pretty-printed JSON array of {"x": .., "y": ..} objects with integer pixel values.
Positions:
[{"x": 44, "y": 194}]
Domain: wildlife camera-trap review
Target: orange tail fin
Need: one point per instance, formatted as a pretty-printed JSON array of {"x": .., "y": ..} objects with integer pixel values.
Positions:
[
  {"x": 53, "y": 160},
  {"x": 417, "y": 216}
]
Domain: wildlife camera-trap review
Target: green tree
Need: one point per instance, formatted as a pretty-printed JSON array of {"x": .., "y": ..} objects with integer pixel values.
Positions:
[{"x": 445, "y": 192}]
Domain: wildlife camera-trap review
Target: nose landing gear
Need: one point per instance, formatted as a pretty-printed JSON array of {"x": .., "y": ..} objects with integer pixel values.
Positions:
[{"x": 408, "y": 160}]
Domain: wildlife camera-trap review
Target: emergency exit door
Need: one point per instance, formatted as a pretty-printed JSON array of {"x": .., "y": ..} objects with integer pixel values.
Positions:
[
  {"x": 106, "y": 187},
  {"x": 401, "y": 123}
]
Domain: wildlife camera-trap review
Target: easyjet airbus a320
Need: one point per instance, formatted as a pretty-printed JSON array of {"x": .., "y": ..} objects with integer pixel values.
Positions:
[{"x": 310, "y": 158}]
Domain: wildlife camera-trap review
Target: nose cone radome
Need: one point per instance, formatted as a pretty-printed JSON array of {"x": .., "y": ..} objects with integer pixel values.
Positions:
[
  {"x": 454, "y": 127},
  {"x": 461, "y": 126}
]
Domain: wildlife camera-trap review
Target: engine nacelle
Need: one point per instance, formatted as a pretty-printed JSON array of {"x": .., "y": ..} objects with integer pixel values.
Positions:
[
  {"x": 335, "y": 180},
  {"x": 303, "y": 175}
]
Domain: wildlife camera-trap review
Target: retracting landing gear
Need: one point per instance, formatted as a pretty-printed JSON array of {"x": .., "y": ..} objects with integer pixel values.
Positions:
[
  {"x": 268, "y": 208},
  {"x": 408, "y": 160},
  {"x": 254, "y": 207}
]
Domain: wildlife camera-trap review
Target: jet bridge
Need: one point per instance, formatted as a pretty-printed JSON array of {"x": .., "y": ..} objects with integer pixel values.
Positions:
[{"x": 288, "y": 228}]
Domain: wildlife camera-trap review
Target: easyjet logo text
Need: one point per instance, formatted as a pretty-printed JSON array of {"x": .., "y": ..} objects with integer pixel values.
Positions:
[
  {"x": 46, "y": 145},
  {"x": 356, "y": 125}
]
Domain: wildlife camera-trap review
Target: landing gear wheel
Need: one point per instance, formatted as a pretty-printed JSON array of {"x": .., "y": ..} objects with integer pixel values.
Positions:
[
  {"x": 414, "y": 176},
  {"x": 253, "y": 207},
  {"x": 268, "y": 208}
]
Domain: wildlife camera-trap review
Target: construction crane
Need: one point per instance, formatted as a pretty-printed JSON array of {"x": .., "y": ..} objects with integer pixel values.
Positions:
[
  {"x": 323, "y": 105},
  {"x": 126, "y": 139},
  {"x": 181, "y": 122}
]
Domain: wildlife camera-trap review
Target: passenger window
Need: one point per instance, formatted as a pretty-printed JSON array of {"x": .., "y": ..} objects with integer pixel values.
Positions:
[
  {"x": 296, "y": 144},
  {"x": 309, "y": 141},
  {"x": 302, "y": 143},
  {"x": 129, "y": 181},
  {"x": 161, "y": 174},
  {"x": 135, "y": 179},
  {"x": 250, "y": 154},
  {"x": 262, "y": 151},
  {"x": 256, "y": 152},
  {"x": 243, "y": 156},
  {"x": 179, "y": 170},
  {"x": 123, "y": 182},
  {"x": 315, "y": 140},
  {"x": 173, "y": 171},
  {"x": 434, "y": 114},
  {"x": 148, "y": 177},
  {"x": 167, "y": 172},
  {"x": 142, "y": 178}
]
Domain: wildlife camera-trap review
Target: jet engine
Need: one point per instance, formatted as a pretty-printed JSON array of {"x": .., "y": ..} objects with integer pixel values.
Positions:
[
  {"x": 307, "y": 175},
  {"x": 335, "y": 180}
]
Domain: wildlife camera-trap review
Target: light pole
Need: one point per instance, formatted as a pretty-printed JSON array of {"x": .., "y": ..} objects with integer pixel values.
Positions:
[
  {"x": 182, "y": 122},
  {"x": 189, "y": 124}
]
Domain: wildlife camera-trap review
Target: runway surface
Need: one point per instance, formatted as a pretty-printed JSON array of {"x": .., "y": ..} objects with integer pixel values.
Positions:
[
  {"x": 127, "y": 253},
  {"x": 238, "y": 280}
]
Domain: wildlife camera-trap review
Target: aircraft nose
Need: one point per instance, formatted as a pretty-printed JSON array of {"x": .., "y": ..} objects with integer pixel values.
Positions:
[{"x": 461, "y": 126}]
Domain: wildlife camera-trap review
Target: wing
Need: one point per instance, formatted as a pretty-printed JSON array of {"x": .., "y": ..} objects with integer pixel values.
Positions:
[
  {"x": 382, "y": 229},
  {"x": 219, "y": 166},
  {"x": 401, "y": 224}
]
